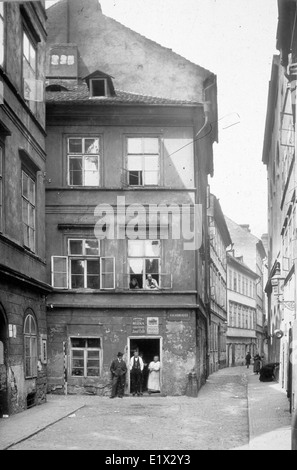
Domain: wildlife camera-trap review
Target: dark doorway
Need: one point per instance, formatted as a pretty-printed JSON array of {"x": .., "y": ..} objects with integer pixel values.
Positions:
[
  {"x": 147, "y": 348},
  {"x": 3, "y": 366}
]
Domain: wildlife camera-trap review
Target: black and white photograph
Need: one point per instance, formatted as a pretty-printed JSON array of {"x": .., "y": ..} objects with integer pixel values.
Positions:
[{"x": 148, "y": 227}]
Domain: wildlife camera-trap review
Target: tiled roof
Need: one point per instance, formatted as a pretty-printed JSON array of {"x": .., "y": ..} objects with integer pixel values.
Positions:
[{"x": 79, "y": 94}]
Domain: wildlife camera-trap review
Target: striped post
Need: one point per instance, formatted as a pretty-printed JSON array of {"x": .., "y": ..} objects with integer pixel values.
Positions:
[{"x": 65, "y": 366}]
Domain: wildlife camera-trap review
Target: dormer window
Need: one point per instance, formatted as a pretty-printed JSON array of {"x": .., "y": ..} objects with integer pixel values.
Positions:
[
  {"x": 98, "y": 87},
  {"x": 100, "y": 84}
]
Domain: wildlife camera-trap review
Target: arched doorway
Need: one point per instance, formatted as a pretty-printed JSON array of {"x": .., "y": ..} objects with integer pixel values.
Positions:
[{"x": 3, "y": 364}]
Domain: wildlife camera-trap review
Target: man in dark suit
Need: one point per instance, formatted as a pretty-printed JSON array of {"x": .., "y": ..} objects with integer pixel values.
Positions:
[{"x": 118, "y": 371}]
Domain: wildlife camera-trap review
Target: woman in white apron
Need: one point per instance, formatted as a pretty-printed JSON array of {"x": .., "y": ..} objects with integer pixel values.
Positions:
[{"x": 153, "y": 384}]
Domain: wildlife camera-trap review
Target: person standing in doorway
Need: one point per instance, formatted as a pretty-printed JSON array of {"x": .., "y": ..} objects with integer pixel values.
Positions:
[
  {"x": 248, "y": 358},
  {"x": 118, "y": 371},
  {"x": 136, "y": 368},
  {"x": 153, "y": 384}
]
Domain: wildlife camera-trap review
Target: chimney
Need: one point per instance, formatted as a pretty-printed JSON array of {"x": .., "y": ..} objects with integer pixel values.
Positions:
[
  {"x": 63, "y": 61},
  {"x": 245, "y": 227}
]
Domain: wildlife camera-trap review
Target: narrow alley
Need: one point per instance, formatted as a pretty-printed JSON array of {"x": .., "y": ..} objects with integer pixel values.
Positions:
[{"x": 233, "y": 411}]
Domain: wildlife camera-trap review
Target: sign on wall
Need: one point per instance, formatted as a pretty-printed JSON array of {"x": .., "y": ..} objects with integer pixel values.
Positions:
[
  {"x": 152, "y": 327},
  {"x": 138, "y": 326},
  {"x": 178, "y": 316}
]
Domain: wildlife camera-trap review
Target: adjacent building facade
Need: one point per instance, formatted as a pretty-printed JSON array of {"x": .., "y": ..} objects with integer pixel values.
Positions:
[
  {"x": 279, "y": 155},
  {"x": 116, "y": 150},
  {"x": 22, "y": 206},
  {"x": 242, "y": 311},
  {"x": 219, "y": 241},
  {"x": 250, "y": 249}
]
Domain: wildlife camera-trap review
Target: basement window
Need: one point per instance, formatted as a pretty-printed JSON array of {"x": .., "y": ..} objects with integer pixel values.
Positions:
[{"x": 31, "y": 400}]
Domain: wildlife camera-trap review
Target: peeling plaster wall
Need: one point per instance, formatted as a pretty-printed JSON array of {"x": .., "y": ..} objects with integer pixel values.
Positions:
[
  {"x": 178, "y": 355},
  {"x": 15, "y": 301}
]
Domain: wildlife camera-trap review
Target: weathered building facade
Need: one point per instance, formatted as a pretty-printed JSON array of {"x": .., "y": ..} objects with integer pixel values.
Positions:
[
  {"x": 22, "y": 206},
  {"x": 242, "y": 311},
  {"x": 219, "y": 240},
  {"x": 279, "y": 155},
  {"x": 251, "y": 249},
  {"x": 111, "y": 148}
]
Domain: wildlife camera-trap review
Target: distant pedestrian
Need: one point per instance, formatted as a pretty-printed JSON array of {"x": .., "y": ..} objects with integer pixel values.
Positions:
[
  {"x": 248, "y": 358},
  {"x": 136, "y": 368},
  {"x": 118, "y": 370},
  {"x": 257, "y": 363},
  {"x": 153, "y": 384}
]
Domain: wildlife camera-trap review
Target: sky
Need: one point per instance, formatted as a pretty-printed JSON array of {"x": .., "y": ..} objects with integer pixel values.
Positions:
[{"x": 235, "y": 39}]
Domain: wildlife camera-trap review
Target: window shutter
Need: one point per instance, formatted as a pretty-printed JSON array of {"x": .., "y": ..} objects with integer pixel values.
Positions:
[
  {"x": 59, "y": 272},
  {"x": 107, "y": 273}
]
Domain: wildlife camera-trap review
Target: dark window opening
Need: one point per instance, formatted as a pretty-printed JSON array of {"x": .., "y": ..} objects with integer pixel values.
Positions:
[
  {"x": 135, "y": 178},
  {"x": 98, "y": 87},
  {"x": 56, "y": 88},
  {"x": 31, "y": 400}
]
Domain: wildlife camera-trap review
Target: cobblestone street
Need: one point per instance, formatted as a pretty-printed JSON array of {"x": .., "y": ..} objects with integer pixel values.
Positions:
[{"x": 217, "y": 419}]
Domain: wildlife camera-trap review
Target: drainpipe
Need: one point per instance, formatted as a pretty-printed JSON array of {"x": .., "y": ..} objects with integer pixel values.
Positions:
[{"x": 207, "y": 107}]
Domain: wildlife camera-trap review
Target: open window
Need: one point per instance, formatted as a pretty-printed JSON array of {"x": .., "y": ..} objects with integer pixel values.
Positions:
[
  {"x": 144, "y": 263},
  {"x": 83, "y": 268}
]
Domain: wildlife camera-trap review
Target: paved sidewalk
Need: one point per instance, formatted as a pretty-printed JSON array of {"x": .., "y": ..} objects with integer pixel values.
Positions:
[
  {"x": 269, "y": 415},
  {"x": 22, "y": 425}
]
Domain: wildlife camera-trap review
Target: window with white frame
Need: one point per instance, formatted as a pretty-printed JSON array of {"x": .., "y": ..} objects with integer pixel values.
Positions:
[
  {"x": 83, "y": 268},
  {"x": 1, "y": 189},
  {"x": 143, "y": 161},
  {"x": 29, "y": 68},
  {"x": 143, "y": 259},
  {"x": 84, "y": 263},
  {"x": 28, "y": 210},
  {"x": 83, "y": 161},
  {"x": 85, "y": 357},
  {"x": 2, "y": 42},
  {"x": 30, "y": 340}
]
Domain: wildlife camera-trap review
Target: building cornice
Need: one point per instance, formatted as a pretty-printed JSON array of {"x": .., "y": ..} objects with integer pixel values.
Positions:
[{"x": 20, "y": 278}]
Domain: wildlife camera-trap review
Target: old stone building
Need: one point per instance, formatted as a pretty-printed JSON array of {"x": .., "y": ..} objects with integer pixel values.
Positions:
[
  {"x": 279, "y": 155},
  {"x": 219, "y": 241},
  {"x": 124, "y": 127},
  {"x": 22, "y": 212}
]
